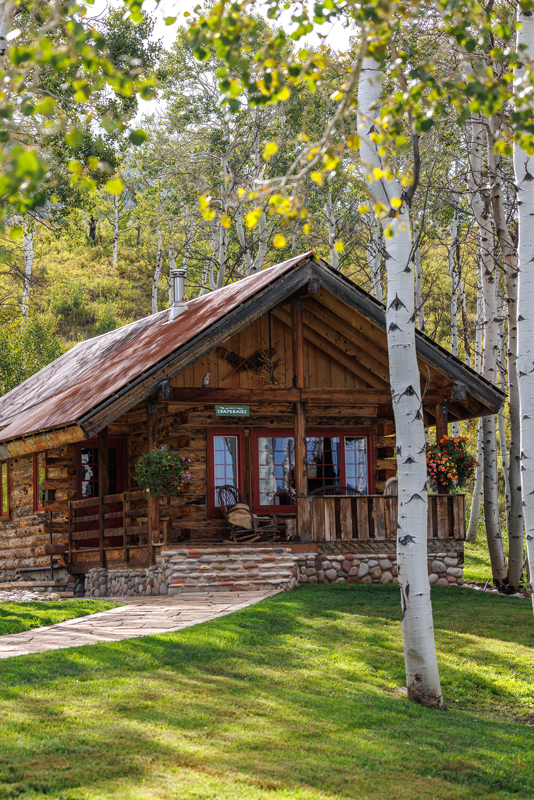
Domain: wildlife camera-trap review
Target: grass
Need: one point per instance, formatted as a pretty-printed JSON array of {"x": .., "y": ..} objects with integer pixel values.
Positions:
[
  {"x": 296, "y": 697},
  {"x": 18, "y": 617}
]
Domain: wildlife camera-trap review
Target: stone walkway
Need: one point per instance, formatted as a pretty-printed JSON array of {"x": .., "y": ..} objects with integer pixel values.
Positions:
[{"x": 139, "y": 617}]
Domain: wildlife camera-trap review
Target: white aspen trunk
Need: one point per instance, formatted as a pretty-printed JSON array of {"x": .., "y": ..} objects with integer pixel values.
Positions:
[
  {"x": 263, "y": 242},
  {"x": 422, "y": 675},
  {"x": 500, "y": 415},
  {"x": 509, "y": 251},
  {"x": 223, "y": 250},
  {"x": 6, "y": 10},
  {"x": 115, "y": 228},
  {"x": 157, "y": 273},
  {"x": 332, "y": 230},
  {"x": 28, "y": 266},
  {"x": 374, "y": 256},
  {"x": 454, "y": 299},
  {"x": 247, "y": 260},
  {"x": 478, "y": 489},
  {"x": 463, "y": 307},
  {"x": 419, "y": 308},
  {"x": 172, "y": 265},
  {"x": 480, "y": 208},
  {"x": 524, "y": 170}
]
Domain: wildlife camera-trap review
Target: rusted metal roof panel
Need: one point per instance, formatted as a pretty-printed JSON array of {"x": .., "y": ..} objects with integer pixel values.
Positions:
[{"x": 93, "y": 370}]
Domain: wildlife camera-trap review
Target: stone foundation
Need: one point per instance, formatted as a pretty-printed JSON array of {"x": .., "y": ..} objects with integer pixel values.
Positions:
[
  {"x": 233, "y": 569},
  {"x": 444, "y": 568}
]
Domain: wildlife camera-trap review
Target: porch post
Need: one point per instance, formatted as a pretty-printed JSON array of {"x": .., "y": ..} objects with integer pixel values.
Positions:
[
  {"x": 301, "y": 479},
  {"x": 153, "y": 502},
  {"x": 103, "y": 489},
  {"x": 441, "y": 421}
]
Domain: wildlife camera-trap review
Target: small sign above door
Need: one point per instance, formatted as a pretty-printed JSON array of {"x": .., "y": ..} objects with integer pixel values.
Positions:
[{"x": 231, "y": 411}]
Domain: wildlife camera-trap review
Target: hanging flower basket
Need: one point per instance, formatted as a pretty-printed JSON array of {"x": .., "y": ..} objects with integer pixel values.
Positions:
[
  {"x": 449, "y": 464},
  {"x": 162, "y": 472}
]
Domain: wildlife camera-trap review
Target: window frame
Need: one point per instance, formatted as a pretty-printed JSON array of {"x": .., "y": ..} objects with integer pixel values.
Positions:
[
  {"x": 5, "y": 514},
  {"x": 322, "y": 432},
  {"x": 212, "y": 507},
  {"x": 121, "y": 444},
  {"x": 36, "y": 506}
]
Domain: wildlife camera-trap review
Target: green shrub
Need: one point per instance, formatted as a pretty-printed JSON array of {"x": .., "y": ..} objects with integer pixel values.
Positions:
[{"x": 162, "y": 472}]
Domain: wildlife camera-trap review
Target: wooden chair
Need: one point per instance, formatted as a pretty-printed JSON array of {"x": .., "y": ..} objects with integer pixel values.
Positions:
[
  {"x": 392, "y": 487},
  {"x": 245, "y": 525},
  {"x": 334, "y": 490}
]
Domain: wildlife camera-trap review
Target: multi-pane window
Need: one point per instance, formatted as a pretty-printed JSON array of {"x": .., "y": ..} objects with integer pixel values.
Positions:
[
  {"x": 89, "y": 471},
  {"x": 276, "y": 465},
  {"x": 4, "y": 489},
  {"x": 38, "y": 481},
  {"x": 356, "y": 469},
  {"x": 225, "y": 462},
  {"x": 333, "y": 459}
]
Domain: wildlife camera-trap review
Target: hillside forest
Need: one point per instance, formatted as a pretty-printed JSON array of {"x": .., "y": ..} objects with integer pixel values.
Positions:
[{"x": 404, "y": 158}]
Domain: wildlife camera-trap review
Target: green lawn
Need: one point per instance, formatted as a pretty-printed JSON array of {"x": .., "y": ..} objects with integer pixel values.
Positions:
[
  {"x": 296, "y": 697},
  {"x": 17, "y": 617}
]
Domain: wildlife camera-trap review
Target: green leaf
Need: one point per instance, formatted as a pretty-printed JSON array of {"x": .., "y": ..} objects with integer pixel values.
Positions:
[
  {"x": 137, "y": 137},
  {"x": 115, "y": 186}
]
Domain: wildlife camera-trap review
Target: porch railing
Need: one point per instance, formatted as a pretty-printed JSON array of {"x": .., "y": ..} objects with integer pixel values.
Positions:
[
  {"x": 374, "y": 517},
  {"x": 129, "y": 509}
]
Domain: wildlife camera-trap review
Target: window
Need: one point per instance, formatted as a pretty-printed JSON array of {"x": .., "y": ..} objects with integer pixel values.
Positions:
[
  {"x": 225, "y": 463},
  {"x": 4, "y": 489},
  {"x": 38, "y": 481},
  {"x": 88, "y": 468},
  {"x": 333, "y": 459}
]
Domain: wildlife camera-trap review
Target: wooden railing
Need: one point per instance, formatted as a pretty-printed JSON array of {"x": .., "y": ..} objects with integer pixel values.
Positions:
[
  {"x": 374, "y": 517},
  {"x": 128, "y": 508}
]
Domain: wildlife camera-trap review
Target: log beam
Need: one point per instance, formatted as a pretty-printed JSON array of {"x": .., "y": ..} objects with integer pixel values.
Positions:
[
  {"x": 103, "y": 488},
  {"x": 153, "y": 502},
  {"x": 441, "y": 421},
  {"x": 347, "y": 397}
]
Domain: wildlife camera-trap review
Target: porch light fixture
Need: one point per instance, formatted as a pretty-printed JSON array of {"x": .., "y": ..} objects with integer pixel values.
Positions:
[{"x": 178, "y": 304}]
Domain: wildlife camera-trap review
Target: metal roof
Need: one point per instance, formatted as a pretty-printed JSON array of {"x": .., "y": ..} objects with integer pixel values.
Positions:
[
  {"x": 99, "y": 370},
  {"x": 93, "y": 370}
]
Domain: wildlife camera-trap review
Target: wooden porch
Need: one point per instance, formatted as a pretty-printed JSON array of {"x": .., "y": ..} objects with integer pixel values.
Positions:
[{"x": 369, "y": 521}]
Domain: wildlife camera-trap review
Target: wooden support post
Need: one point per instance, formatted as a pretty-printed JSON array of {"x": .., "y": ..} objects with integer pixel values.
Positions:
[
  {"x": 153, "y": 502},
  {"x": 103, "y": 489},
  {"x": 441, "y": 421},
  {"x": 301, "y": 475}
]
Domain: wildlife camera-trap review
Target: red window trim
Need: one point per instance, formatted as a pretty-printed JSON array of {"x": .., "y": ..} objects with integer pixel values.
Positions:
[
  {"x": 5, "y": 514},
  {"x": 36, "y": 506},
  {"x": 310, "y": 432},
  {"x": 212, "y": 508}
]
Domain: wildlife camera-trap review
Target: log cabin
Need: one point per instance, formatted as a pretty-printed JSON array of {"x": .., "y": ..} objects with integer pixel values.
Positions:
[{"x": 277, "y": 384}]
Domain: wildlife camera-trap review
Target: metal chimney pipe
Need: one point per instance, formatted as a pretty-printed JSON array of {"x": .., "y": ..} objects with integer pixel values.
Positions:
[{"x": 178, "y": 304}]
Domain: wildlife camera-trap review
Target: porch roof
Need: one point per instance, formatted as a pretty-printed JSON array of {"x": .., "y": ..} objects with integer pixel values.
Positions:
[{"x": 100, "y": 379}]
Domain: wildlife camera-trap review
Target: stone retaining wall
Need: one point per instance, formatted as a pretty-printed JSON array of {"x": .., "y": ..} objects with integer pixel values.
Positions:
[
  {"x": 444, "y": 568},
  {"x": 220, "y": 569}
]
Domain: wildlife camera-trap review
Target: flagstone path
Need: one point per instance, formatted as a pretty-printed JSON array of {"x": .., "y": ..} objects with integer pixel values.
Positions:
[{"x": 140, "y": 617}]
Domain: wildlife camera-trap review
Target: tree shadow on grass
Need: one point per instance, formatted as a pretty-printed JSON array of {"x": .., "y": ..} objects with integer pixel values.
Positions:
[{"x": 288, "y": 692}]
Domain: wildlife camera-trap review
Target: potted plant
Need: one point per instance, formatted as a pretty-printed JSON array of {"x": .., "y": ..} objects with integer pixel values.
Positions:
[
  {"x": 449, "y": 464},
  {"x": 162, "y": 472}
]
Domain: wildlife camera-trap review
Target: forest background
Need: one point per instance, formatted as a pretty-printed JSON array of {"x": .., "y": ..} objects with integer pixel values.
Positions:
[{"x": 93, "y": 259}]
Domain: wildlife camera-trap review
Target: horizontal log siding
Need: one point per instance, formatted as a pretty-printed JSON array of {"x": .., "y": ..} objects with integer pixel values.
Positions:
[
  {"x": 23, "y": 535},
  {"x": 184, "y": 428}
]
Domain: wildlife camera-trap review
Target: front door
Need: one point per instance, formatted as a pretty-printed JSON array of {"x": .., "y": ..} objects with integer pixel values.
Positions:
[{"x": 87, "y": 485}]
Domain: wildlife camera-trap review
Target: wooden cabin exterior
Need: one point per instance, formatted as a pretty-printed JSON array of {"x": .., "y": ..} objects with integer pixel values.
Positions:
[{"x": 278, "y": 384}]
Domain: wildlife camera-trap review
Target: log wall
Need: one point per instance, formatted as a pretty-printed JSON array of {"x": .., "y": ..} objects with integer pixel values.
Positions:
[{"x": 22, "y": 535}]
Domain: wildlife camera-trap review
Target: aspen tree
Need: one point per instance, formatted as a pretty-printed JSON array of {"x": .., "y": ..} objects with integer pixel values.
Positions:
[
  {"x": 157, "y": 272},
  {"x": 524, "y": 171},
  {"x": 422, "y": 674},
  {"x": 481, "y": 211}
]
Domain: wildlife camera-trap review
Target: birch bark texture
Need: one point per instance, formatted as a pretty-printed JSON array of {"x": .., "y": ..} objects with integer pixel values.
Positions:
[
  {"x": 29, "y": 233},
  {"x": 481, "y": 208},
  {"x": 509, "y": 252},
  {"x": 422, "y": 675},
  {"x": 524, "y": 172}
]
